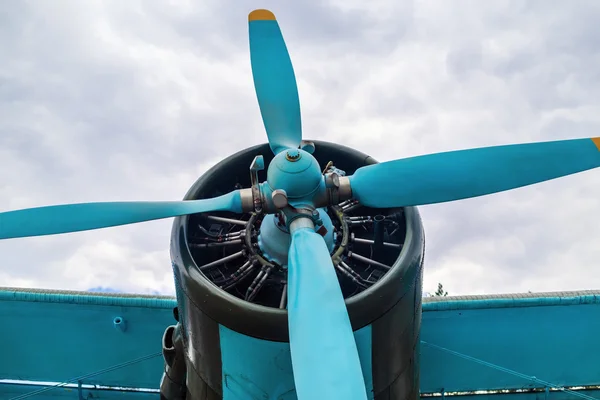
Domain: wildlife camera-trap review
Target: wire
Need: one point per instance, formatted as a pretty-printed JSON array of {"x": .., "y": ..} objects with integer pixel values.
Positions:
[
  {"x": 82, "y": 377},
  {"x": 510, "y": 371}
]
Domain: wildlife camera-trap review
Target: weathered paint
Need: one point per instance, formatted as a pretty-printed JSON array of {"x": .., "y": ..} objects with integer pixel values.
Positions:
[
  {"x": 553, "y": 338},
  {"x": 272, "y": 378},
  {"x": 56, "y": 337}
]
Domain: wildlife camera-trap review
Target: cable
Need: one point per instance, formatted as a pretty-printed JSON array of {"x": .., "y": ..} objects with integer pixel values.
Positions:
[
  {"x": 82, "y": 377},
  {"x": 510, "y": 371}
]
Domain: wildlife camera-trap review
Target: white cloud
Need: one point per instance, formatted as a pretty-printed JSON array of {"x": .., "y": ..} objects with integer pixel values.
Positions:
[{"x": 133, "y": 101}]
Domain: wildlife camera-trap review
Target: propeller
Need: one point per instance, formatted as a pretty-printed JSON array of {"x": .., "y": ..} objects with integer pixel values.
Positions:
[
  {"x": 324, "y": 354},
  {"x": 274, "y": 82},
  {"x": 66, "y": 218},
  {"x": 456, "y": 175}
]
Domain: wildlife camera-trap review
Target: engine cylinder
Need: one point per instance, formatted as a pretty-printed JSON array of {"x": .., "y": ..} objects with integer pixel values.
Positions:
[{"x": 387, "y": 302}]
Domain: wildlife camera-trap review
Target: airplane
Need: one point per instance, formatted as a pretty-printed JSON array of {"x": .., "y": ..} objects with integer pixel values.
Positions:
[{"x": 325, "y": 257}]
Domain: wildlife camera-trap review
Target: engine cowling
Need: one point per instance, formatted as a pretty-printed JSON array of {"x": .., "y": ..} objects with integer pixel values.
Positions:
[{"x": 231, "y": 289}]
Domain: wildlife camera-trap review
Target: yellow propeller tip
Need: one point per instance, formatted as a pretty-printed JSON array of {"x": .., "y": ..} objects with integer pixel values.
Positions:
[
  {"x": 261, "y": 15},
  {"x": 596, "y": 141}
]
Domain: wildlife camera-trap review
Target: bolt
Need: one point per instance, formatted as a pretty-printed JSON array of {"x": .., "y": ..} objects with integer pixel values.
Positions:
[
  {"x": 332, "y": 180},
  {"x": 280, "y": 199}
]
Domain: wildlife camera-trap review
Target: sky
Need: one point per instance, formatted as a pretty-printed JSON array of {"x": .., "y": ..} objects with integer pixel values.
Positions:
[{"x": 115, "y": 101}]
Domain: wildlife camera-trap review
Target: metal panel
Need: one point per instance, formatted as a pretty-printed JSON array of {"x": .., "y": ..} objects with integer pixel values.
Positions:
[
  {"x": 552, "y": 337},
  {"x": 260, "y": 369},
  {"x": 59, "y": 336},
  {"x": 54, "y": 337}
]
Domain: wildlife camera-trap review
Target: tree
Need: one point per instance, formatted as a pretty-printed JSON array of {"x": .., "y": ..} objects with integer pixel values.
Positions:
[{"x": 440, "y": 291}]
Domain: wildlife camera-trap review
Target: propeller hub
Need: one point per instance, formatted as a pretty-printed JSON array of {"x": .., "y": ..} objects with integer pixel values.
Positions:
[
  {"x": 292, "y": 155},
  {"x": 295, "y": 171}
]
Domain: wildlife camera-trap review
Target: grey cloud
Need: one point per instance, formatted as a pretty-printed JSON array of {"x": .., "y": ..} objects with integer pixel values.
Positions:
[{"x": 465, "y": 59}]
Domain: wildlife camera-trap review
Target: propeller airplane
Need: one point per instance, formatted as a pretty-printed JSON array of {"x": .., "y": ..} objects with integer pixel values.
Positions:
[{"x": 293, "y": 272}]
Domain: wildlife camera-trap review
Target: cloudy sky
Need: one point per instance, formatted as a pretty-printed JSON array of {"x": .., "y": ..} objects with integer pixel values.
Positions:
[{"x": 112, "y": 100}]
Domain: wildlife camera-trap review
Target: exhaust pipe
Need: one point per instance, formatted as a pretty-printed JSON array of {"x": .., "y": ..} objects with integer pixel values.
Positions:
[{"x": 172, "y": 384}]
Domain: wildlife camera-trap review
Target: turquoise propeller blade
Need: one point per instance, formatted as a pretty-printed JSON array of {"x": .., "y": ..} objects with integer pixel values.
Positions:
[
  {"x": 324, "y": 353},
  {"x": 274, "y": 81},
  {"x": 455, "y": 175},
  {"x": 85, "y": 216}
]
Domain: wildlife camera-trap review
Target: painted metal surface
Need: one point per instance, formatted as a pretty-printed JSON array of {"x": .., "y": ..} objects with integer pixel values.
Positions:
[
  {"x": 323, "y": 348},
  {"x": 274, "y": 81},
  {"x": 271, "y": 380},
  {"x": 552, "y": 338},
  {"x": 64, "y": 218},
  {"x": 60, "y": 336},
  {"x": 56, "y": 337},
  {"x": 454, "y": 175},
  {"x": 299, "y": 177}
]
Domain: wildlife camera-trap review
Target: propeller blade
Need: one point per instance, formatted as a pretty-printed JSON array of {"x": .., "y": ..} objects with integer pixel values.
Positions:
[
  {"x": 274, "y": 81},
  {"x": 324, "y": 353},
  {"x": 53, "y": 220},
  {"x": 455, "y": 175}
]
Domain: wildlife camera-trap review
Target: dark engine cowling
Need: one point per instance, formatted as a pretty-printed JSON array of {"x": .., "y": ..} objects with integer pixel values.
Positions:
[{"x": 231, "y": 300}]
